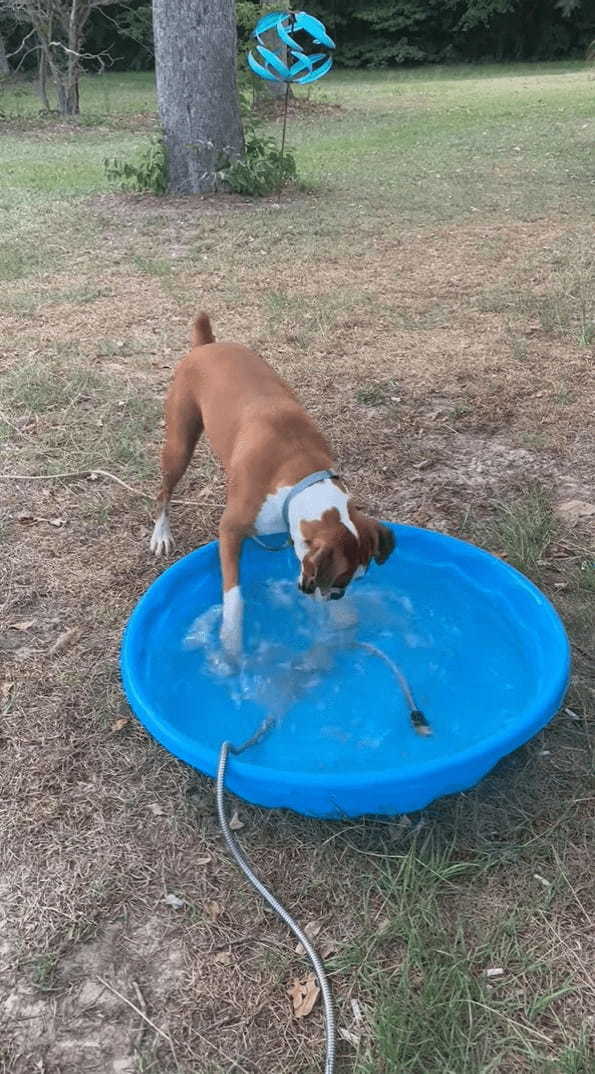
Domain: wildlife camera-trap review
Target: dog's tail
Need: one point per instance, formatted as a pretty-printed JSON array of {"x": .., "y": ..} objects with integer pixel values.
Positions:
[{"x": 201, "y": 331}]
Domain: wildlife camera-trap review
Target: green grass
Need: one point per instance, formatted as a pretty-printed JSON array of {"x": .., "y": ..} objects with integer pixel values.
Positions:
[
  {"x": 114, "y": 421},
  {"x": 28, "y": 303},
  {"x": 436, "y": 140},
  {"x": 425, "y": 971},
  {"x": 36, "y": 170},
  {"x": 43, "y": 971},
  {"x": 523, "y": 529},
  {"x": 433, "y": 143},
  {"x": 103, "y": 97}
]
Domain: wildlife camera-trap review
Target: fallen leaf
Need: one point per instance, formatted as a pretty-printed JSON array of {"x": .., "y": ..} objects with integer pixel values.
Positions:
[
  {"x": 542, "y": 880},
  {"x": 224, "y": 958},
  {"x": 120, "y": 723},
  {"x": 311, "y": 929},
  {"x": 214, "y": 910},
  {"x": 352, "y": 1038},
  {"x": 204, "y": 860},
  {"x": 235, "y": 823},
  {"x": 65, "y": 639},
  {"x": 173, "y": 901},
  {"x": 357, "y": 1011},
  {"x": 25, "y": 625},
  {"x": 156, "y": 809},
  {"x": 328, "y": 948},
  {"x": 303, "y": 995}
]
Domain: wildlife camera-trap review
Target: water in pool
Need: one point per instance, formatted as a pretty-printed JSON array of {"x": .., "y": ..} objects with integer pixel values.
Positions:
[{"x": 339, "y": 708}]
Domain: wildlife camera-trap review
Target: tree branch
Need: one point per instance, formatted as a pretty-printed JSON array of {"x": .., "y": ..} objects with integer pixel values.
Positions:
[{"x": 22, "y": 45}]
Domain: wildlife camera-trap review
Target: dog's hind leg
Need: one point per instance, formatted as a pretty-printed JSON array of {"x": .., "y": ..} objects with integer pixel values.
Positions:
[{"x": 183, "y": 423}]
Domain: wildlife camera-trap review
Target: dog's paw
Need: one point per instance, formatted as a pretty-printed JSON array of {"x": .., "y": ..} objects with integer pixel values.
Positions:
[
  {"x": 162, "y": 541},
  {"x": 231, "y": 643},
  {"x": 226, "y": 665},
  {"x": 231, "y": 627}
]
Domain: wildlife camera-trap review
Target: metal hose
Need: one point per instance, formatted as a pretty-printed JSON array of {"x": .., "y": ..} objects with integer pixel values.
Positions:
[
  {"x": 244, "y": 864},
  {"x": 421, "y": 725},
  {"x": 416, "y": 716}
]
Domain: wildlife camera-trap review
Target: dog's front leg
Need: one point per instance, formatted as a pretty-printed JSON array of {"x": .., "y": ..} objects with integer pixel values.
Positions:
[{"x": 231, "y": 535}]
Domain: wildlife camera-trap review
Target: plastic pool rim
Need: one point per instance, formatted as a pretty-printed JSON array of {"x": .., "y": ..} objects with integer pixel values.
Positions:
[{"x": 539, "y": 711}]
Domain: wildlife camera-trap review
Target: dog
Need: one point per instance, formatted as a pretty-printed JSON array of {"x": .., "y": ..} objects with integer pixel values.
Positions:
[{"x": 279, "y": 468}]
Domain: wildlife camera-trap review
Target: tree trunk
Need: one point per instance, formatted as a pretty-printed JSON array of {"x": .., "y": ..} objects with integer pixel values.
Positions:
[
  {"x": 68, "y": 97},
  {"x": 42, "y": 81},
  {"x": 195, "y": 60},
  {"x": 4, "y": 64}
]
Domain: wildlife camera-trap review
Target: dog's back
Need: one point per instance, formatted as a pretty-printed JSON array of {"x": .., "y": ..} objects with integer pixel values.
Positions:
[{"x": 236, "y": 394}]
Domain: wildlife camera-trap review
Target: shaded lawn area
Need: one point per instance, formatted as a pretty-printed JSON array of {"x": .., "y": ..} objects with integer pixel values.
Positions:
[{"x": 429, "y": 293}]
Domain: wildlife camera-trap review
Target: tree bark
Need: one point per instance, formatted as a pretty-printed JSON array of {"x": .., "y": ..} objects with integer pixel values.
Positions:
[
  {"x": 4, "y": 64},
  {"x": 195, "y": 60},
  {"x": 42, "y": 81},
  {"x": 68, "y": 97}
]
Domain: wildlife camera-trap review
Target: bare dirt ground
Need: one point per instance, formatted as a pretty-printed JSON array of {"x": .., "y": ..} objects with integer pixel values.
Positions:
[{"x": 449, "y": 371}]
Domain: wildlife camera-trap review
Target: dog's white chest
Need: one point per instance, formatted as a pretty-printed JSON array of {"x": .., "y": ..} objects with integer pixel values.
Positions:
[{"x": 270, "y": 517}]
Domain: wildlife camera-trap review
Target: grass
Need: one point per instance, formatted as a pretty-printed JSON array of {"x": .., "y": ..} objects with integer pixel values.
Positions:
[
  {"x": 43, "y": 971},
  {"x": 103, "y": 97},
  {"x": 457, "y": 993},
  {"x": 431, "y": 301},
  {"x": 524, "y": 529},
  {"x": 114, "y": 423},
  {"x": 566, "y": 306}
]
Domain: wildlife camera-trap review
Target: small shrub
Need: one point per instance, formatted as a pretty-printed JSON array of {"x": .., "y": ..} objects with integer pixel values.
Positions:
[
  {"x": 149, "y": 175},
  {"x": 263, "y": 170}
]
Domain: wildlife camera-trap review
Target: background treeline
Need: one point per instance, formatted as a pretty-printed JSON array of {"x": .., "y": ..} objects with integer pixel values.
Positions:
[{"x": 375, "y": 33}]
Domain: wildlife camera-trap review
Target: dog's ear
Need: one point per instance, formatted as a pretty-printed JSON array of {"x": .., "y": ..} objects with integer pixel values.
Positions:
[
  {"x": 375, "y": 541},
  {"x": 386, "y": 544}
]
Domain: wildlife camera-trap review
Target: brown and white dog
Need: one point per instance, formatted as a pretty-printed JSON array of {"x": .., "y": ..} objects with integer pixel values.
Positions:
[{"x": 279, "y": 469}]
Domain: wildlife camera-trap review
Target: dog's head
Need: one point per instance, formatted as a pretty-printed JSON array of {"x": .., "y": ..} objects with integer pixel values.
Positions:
[{"x": 335, "y": 553}]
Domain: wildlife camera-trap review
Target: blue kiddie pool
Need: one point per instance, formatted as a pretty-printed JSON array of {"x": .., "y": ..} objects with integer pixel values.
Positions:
[{"x": 483, "y": 650}]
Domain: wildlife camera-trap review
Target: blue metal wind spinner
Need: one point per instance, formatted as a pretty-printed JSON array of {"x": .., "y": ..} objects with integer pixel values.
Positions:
[{"x": 300, "y": 66}]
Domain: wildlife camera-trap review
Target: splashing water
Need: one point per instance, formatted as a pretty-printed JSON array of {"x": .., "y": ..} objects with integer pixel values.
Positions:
[
  {"x": 278, "y": 666},
  {"x": 338, "y": 707}
]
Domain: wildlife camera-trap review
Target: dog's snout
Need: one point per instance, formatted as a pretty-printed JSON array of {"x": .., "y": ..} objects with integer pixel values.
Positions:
[
  {"x": 306, "y": 587},
  {"x": 310, "y": 587}
]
